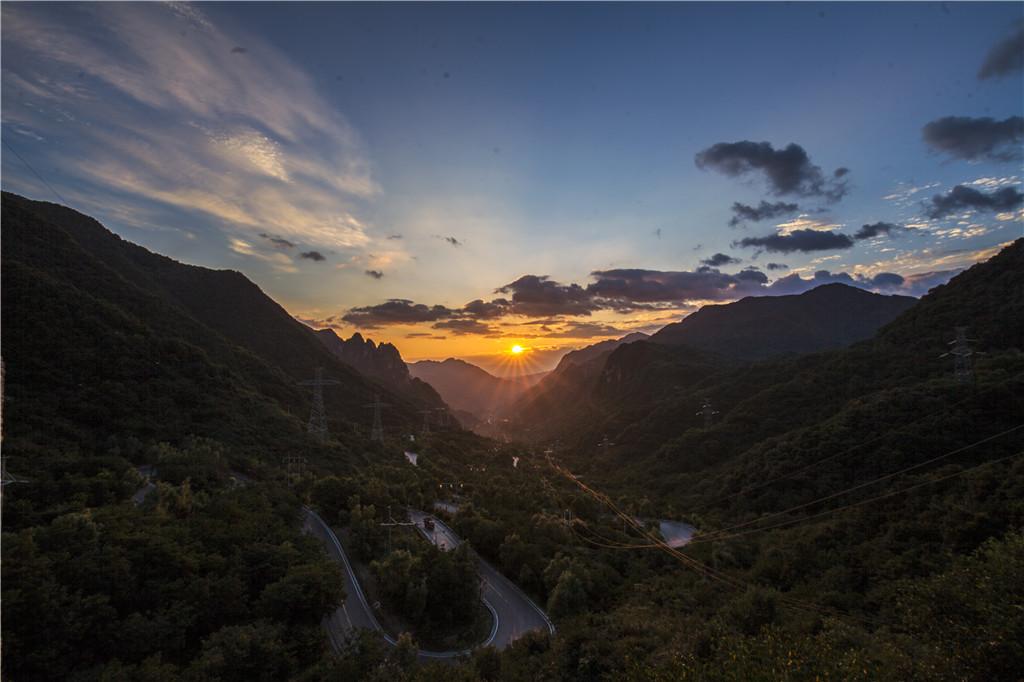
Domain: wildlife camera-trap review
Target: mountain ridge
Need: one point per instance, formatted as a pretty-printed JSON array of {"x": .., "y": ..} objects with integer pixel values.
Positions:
[{"x": 760, "y": 327}]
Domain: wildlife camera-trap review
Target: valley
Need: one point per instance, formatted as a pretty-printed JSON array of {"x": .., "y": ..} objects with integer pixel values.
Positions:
[{"x": 672, "y": 491}]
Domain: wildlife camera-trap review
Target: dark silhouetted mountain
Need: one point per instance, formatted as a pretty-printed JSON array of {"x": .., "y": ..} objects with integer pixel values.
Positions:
[
  {"x": 760, "y": 327},
  {"x": 468, "y": 388},
  {"x": 382, "y": 362},
  {"x": 588, "y": 353},
  {"x": 102, "y": 336},
  {"x": 767, "y": 413}
]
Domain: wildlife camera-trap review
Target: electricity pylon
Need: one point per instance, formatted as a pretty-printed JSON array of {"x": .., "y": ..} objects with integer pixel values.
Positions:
[
  {"x": 317, "y": 415},
  {"x": 295, "y": 465},
  {"x": 961, "y": 352},
  {"x": 426, "y": 421},
  {"x": 377, "y": 432},
  {"x": 708, "y": 413},
  {"x": 443, "y": 415}
]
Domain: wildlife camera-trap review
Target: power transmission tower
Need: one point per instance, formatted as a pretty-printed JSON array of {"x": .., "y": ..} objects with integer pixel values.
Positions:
[
  {"x": 295, "y": 465},
  {"x": 961, "y": 352},
  {"x": 708, "y": 413},
  {"x": 390, "y": 523},
  {"x": 426, "y": 421},
  {"x": 6, "y": 479},
  {"x": 443, "y": 415},
  {"x": 377, "y": 432},
  {"x": 317, "y": 414}
]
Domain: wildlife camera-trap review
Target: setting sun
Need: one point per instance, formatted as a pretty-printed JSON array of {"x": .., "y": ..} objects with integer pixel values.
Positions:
[{"x": 516, "y": 350}]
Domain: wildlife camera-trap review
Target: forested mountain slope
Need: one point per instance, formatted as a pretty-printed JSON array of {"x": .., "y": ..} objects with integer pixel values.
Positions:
[
  {"x": 101, "y": 335},
  {"x": 625, "y": 382}
]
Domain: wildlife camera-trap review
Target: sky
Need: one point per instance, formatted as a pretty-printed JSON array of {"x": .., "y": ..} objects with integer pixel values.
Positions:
[{"x": 461, "y": 178}]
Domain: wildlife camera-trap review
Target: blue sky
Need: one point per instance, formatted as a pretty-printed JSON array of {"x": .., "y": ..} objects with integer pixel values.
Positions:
[{"x": 454, "y": 149}]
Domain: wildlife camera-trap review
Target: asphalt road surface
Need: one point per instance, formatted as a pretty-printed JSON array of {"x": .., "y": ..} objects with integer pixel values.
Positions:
[
  {"x": 517, "y": 614},
  {"x": 513, "y": 613}
]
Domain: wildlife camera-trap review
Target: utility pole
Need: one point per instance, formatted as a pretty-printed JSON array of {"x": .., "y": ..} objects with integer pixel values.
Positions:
[
  {"x": 377, "y": 431},
  {"x": 426, "y": 421},
  {"x": 317, "y": 414},
  {"x": 708, "y": 413},
  {"x": 391, "y": 522},
  {"x": 961, "y": 352}
]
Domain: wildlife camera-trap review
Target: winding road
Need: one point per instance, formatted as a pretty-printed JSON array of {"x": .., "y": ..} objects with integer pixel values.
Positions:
[{"x": 513, "y": 613}]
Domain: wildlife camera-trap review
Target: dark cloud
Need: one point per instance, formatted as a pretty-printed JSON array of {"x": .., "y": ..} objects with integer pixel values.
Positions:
[
  {"x": 620, "y": 289},
  {"x": 799, "y": 240},
  {"x": 279, "y": 242},
  {"x": 840, "y": 172},
  {"x": 887, "y": 280},
  {"x": 974, "y": 139},
  {"x": 750, "y": 275},
  {"x": 921, "y": 283},
  {"x": 460, "y": 327},
  {"x": 238, "y": 50},
  {"x": 376, "y": 274},
  {"x": 486, "y": 310},
  {"x": 777, "y": 266},
  {"x": 452, "y": 240},
  {"x": 720, "y": 259},
  {"x": 631, "y": 286},
  {"x": 963, "y": 197},
  {"x": 764, "y": 211},
  {"x": 395, "y": 311},
  {"x": 795, "y": 284},
  {"x": 313, "y": 255},
  {"x": 875, "y": 229},
  {"x": 788, "y": 171},
  {"x": 394, "y": 236},
  {"x": 1005, "y": 57},
  {"x": 585, "y": 330},
  {"x": 539, "y": 296},
  {"x": 425, "y": 335}
]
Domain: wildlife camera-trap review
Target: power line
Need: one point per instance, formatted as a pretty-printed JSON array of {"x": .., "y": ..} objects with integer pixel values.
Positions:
[
  {"x": 716, "y": 534},
  {"x": 698, "y": 566},
  {"x": 882, "y": 436},
  {"x": 34, "y": 172},
  {"x": 869, "y": 500}
]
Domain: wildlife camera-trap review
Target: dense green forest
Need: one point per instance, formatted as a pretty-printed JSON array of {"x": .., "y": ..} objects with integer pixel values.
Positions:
[{"x": 859, "y": 511}]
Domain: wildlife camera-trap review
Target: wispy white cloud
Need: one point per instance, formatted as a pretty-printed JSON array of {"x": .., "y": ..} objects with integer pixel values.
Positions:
[{"x": 165, "y": 111}]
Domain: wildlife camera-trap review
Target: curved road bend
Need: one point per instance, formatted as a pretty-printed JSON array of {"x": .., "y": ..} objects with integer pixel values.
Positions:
[
  {"x": 357, "y": 613},
  {"x": 517, "y": 614},
  {"x": 513, "y": 613}
]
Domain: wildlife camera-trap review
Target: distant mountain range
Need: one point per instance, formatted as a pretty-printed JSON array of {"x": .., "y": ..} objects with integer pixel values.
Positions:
[
  {"x": 100, "y": 332},
  {"x": 468, "y": 388}
]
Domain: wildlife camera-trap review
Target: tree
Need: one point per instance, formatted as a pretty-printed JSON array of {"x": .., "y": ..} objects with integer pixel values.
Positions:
[
  {"x": 405, "y": 652},
  {"x": 307, "y": 593},
  {"x": 569, "y": 596}
]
